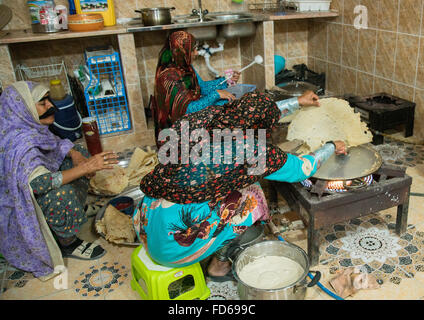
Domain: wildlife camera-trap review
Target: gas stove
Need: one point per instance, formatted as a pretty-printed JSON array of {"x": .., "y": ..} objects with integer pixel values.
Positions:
[
  {"x": 388, "y": 187},
  {"x": 383, "y": 111}
]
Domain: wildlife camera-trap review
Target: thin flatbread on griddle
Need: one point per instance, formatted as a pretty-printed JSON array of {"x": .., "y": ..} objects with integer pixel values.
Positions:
[
  {"x": 116, "y": 226},
  {"x": 333, "y": 120}
]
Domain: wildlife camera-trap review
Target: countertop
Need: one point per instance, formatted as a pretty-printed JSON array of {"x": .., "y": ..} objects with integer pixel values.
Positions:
[{"x": 26, "y": 35}]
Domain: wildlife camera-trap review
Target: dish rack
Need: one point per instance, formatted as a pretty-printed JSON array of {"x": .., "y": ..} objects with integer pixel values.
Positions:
[
  {"x": 104, "y": 90},
  {"x": 44, "y": 73}
]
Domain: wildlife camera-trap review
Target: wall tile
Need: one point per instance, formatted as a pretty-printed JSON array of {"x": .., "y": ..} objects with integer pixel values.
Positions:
[
  {"x": 373, "y": 7},
  {"x": 334, "y": 78},
  {"x": 348, "y": 11},
  {"x": 406, "y": 59},
  {"x": 335, "y": 43},
  {"x": 410, "y": 16},
  {"x": 7, "y": 74},
  {"x": 348, "y": 81},
  {"x": 337, "y": 5},
  {"x": 420, "y": 75},
  {"x": 297, "y": 39},
  {"x": 350, "y": 47},
  {"x": 388, "y": 15},
  {"x": 366, "y": 52},
  {"x": 318, "y": 38},
  {"x": 364, "y": 84},
  {"x": 386, "y": 46},
  {"x": 403, "y": 91},
  {"x": 382, "y": 85},
  {"x": 280, "y": 38},
  {"x": 181, "y": 7},
  {"x": 125, "y": 9}
]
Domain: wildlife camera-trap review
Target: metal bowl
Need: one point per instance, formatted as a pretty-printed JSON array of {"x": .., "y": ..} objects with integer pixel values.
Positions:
[{"x": 136, "y": 194}]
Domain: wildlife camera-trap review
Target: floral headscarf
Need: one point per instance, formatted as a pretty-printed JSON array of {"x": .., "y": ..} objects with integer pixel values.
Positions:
[{"x": 176, "y": 83}]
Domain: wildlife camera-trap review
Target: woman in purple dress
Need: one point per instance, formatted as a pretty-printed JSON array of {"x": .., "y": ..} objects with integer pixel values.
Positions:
[{"x": 43, "y": 185}]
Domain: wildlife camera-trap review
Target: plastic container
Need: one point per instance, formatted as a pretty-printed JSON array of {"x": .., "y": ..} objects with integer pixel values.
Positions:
[
  {"x": 103, "y": 7},
  {"x": 279, "y": 64},
  {"x": 57, "y": 92},
  {"x": 92, "y": 135},
  {"x": 313, "y": 5},
  {"x": 240, "y": 90},
  {"x": 67, "y": 121},
  {"x": 85, "y": 22}
]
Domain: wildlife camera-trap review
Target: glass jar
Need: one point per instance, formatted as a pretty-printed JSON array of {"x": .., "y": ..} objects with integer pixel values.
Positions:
[
  {"x": 57, "y": 92},
  {"x": 92, "y": 135}
]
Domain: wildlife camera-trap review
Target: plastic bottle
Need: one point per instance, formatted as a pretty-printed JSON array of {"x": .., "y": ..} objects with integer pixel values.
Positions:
[
  {"x": 57, "y": 92},
  {"x": 104, "y": 7}
]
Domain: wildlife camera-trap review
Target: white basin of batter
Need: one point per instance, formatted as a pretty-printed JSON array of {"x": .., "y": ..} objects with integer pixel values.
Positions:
[{"x": 271, "y": 272}]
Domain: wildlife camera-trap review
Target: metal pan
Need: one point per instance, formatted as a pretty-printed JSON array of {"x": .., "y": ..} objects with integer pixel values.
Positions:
[
  {"x": 134, "y": 193},
  {"x": 360, "y": 161}
]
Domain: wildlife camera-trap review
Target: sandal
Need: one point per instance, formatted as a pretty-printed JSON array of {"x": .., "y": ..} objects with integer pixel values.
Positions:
[{"x": 83, "y": 250}]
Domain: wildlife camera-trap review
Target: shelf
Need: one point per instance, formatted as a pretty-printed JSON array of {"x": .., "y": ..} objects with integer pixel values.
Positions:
[
  {"x": 303, "y": 15},
  {"x": 26, "y": 35}
]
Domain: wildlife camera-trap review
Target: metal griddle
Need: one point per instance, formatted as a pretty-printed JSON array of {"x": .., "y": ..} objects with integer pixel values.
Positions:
[{"x": 359, "y": 162}]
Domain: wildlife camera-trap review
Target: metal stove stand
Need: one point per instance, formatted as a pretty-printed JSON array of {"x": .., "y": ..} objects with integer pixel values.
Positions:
[{"x": 391, "y": 188}]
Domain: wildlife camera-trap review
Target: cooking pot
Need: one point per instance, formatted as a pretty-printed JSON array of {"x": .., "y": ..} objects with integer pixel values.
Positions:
[
  {"x": 297, "y": 88},
  {"x": 156, "y": 16},
  {"x": 295, "y": 291},
  {"x": 251, "y": 236}
]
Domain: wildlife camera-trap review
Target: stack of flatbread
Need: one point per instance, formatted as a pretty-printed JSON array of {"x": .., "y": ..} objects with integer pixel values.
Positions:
[
  {"x": 113, "y": 182},
  {"x": 116, "y": 226},
  {"x": 333, "y": 120}
]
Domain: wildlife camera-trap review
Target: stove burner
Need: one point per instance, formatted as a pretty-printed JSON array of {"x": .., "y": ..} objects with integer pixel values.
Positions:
[{"x": 341, "y": 185}]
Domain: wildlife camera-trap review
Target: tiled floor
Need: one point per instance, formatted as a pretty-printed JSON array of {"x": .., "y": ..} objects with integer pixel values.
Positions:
[{"x": 398, "y": 263}]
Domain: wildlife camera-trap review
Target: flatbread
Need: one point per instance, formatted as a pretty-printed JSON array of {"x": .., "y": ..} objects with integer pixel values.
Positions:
[
  {"x": 109, "y": 182},
  {"x": 141, "y": 163},
  {"x": 116, "y": 226},
  {"x": 333, "y": 120},
  {"x": 113, "y": 182}
]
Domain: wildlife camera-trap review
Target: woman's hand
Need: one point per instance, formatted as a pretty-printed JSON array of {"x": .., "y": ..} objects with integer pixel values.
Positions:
[
  {"x": 340, "y": 147},
  {"x": 226, "y": 95},
  {"x": 103, "y": 160},
  {"x": 77, "y": 157},
  {"x": 236, "y": 76},
  {"x": 309, "y": 98}
]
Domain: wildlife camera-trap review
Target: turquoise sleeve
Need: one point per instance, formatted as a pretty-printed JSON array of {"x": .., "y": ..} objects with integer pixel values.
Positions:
[{"x": 297, "y": 169}]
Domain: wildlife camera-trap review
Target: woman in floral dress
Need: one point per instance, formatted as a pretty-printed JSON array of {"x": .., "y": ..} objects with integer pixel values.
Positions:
[{"x": 191, "y": 211}]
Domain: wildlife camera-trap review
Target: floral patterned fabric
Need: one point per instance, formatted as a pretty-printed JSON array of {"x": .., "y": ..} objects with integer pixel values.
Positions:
[
  {"x": 63, "y": 207},
  {"x": 180, "y": 235},
  {"x": 190, "y": 183},
  {"x": 25, "y": 145}
]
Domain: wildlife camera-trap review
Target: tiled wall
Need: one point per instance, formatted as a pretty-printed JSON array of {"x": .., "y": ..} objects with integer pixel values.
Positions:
[{"x": 388, "y": 56}]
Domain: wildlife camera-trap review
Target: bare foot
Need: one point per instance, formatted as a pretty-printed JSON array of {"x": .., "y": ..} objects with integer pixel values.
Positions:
[{"x": 218, "y": 268}]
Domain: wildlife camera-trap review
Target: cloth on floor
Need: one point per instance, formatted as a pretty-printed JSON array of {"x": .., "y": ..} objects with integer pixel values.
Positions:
[
  {"x": 351, "y": 280},
  {"x": 116, "y": 226}
]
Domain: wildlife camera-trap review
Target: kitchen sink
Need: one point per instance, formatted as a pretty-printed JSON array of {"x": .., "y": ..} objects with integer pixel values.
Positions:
[
  {"x": 219, "y": 25},
  {"x": 229, "y": 16}
]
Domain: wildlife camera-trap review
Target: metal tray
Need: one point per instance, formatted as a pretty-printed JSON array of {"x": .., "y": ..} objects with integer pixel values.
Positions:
[
  {"x": 360, "y": 161},
  {"x": 134, "y": 193}
]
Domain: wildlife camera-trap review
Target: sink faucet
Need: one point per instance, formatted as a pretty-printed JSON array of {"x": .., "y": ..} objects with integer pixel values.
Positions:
[{"x": 200, "y": 12}]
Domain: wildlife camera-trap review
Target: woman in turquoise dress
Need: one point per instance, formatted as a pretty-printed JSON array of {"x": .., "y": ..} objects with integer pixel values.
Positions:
[{"x": 191, "y": 211}]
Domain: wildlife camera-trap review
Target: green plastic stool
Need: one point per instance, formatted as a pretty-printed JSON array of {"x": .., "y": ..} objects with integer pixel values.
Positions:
[{"x": 155, "y": 282}]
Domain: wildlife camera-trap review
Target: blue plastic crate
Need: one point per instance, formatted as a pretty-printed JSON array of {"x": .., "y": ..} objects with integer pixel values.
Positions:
[{"x": 105, "y": 93}]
